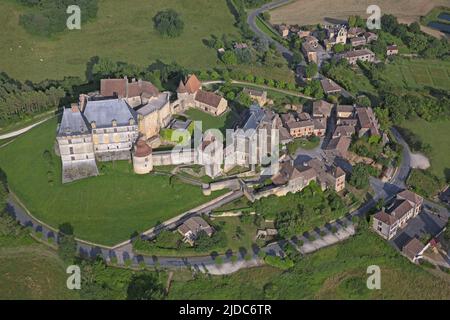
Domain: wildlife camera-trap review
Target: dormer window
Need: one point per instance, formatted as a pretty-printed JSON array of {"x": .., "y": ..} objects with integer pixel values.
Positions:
[
  {"x": 131, "y": 122},
  {"x": 93, "y": 125},
  {"x": 114, "y": 123}
]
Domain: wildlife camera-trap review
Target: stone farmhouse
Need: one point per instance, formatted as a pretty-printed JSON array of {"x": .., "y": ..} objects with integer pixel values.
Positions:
[
  {"x": 329, "y": 86},
  {"x": 190, "y": 94},
  {"x": 313, "y": 51},
  {"x": 405, "y": 206},
  {"x": 192, "y": 227},
  {"x": 392, "y": 50},
  {"x": 354, "y": 56},
  {"x": 293, "y": 178},
  {"x": 257, "y": 96}
]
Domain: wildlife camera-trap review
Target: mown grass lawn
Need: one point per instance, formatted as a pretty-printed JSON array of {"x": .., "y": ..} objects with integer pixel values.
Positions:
[
  {"x": 419, "y": 73},
  {"x": 222, "y": 122},
  {"x": 436, "y": 134},
  {"x": 337, "y": 272},
  {"x": 106, "y": 209},
  {"x": 122, "y": 31}
]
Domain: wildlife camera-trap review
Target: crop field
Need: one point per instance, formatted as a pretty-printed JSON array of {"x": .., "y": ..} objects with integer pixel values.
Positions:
[{"x": 308, "y": 12}]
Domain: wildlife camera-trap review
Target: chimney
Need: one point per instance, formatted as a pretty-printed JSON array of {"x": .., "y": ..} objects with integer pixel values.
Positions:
[
  {"x": 82, "y": 101},
  {"x": 74, "y": 108}
]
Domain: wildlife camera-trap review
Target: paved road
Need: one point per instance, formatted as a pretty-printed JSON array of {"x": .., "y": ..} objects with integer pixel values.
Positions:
[
  {"x": 285, "y": 52},
  {"x": 251, "y": 21}
]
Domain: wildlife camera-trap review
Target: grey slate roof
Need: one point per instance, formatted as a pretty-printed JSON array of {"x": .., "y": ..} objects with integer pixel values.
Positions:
[
  {"x": 72, "y": 123},
  {"x": 103, "y": 112},
  {"x": 154, "y": 104},
  {"x": 255, "y": 117}
]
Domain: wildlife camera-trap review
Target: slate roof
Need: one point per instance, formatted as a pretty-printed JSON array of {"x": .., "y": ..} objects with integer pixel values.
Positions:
[
  {"x": 72, "y": 123},
  {"x": 254, "y": 118},
  {"x": 154, "y": 104},
  {"x": 103, "y": 112}
]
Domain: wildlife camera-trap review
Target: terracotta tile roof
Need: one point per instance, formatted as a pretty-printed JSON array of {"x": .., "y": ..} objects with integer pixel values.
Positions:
[
  {"x": 413, "y": 248},
  {"x": 181, "y": 87},
  {"x": 192, "y": 84},
  {"x": 385, "y": 218},
  {"x": 329, "y": 86},
  {"x": 123, "y": 89},
  {"x": 367, "y": 119},
  {"x": 340, "y": 144},
  {"x": 344, "y": 108},
  {"x": 322, "y": 107},
  {"x": 139, "y": 87},
  {"x": 345, "y": 131},
  {"x": 209, "y": 98},
  {"x": 401, "y": 207},
  {"x": 410, "y": 196},
  {"x": 113, "y": 87},
  {"x": 142, "y": 149}
]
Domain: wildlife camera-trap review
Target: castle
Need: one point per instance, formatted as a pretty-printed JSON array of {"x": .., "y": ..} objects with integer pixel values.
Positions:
[{"x": 122, "y": 121}]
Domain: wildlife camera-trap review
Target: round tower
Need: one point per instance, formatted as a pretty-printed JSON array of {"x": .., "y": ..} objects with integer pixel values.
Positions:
[{"x": 142, "y": 158}]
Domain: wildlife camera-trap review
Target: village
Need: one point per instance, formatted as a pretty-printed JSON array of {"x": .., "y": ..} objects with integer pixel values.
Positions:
[{"x": 125, "y": 119}]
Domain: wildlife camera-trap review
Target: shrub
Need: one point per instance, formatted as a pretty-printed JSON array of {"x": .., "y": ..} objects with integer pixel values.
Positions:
[{"x": 278, "y": 262}]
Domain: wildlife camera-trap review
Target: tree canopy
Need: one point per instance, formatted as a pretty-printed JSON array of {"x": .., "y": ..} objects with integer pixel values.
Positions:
[{"x": 168, "y": 23}]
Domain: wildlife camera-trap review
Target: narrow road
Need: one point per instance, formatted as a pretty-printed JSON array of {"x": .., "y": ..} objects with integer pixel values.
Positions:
[
  {"x": 251, "y": 21},
  {"x": 295, "y": 94},
  {"x": 285, "y": 52}
]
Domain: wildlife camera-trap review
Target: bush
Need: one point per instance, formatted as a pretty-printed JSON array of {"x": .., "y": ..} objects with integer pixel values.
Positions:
[
  {"x": 168, "y": 23},
  {"x": 278, "y": 262}
]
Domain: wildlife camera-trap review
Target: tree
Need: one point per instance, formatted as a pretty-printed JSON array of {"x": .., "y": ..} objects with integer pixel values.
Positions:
[
  {"x": 360, "y": 176},
  {"x": 311, "y": 70},
  {"x": 229, "y": 58},
  {"x": 67, "y": 248},
  {"x": 168, "y": 23},
  {"x": 145, "y": 287},
  {"x": 339, "y": 47}
]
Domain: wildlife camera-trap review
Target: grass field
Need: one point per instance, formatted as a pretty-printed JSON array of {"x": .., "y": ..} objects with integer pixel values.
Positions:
[
  {"x": 31, "y": 271},
  {"x": 435, "y": 134},
  {"x": 106, "y": 209},
  {"x": 309, "y": 12},
  {"x": 123, "y": 31},
  {"x": 221, "y": 122},
  {"x": 419, "y": 73},
  {"x": 337, "y": 272}
]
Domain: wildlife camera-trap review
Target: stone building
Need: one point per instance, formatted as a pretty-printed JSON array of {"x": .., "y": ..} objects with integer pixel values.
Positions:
[
  {"x": 190, "y": 94},
  {"x": 258, "y": 96},
  {"x": 136, "y": 93},
  {"x": 154, "y": 115},
  {"x": 114, "y": 128},
  {"x": 405, "y": 206},
  {"x": 75, "y": 146},
  {"x": 354, "y": 56},
  {"x": 142, "y": 158}
]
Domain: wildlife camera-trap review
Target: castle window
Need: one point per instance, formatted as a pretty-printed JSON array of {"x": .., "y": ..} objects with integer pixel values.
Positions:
[{"x": 114, "y": 123}]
